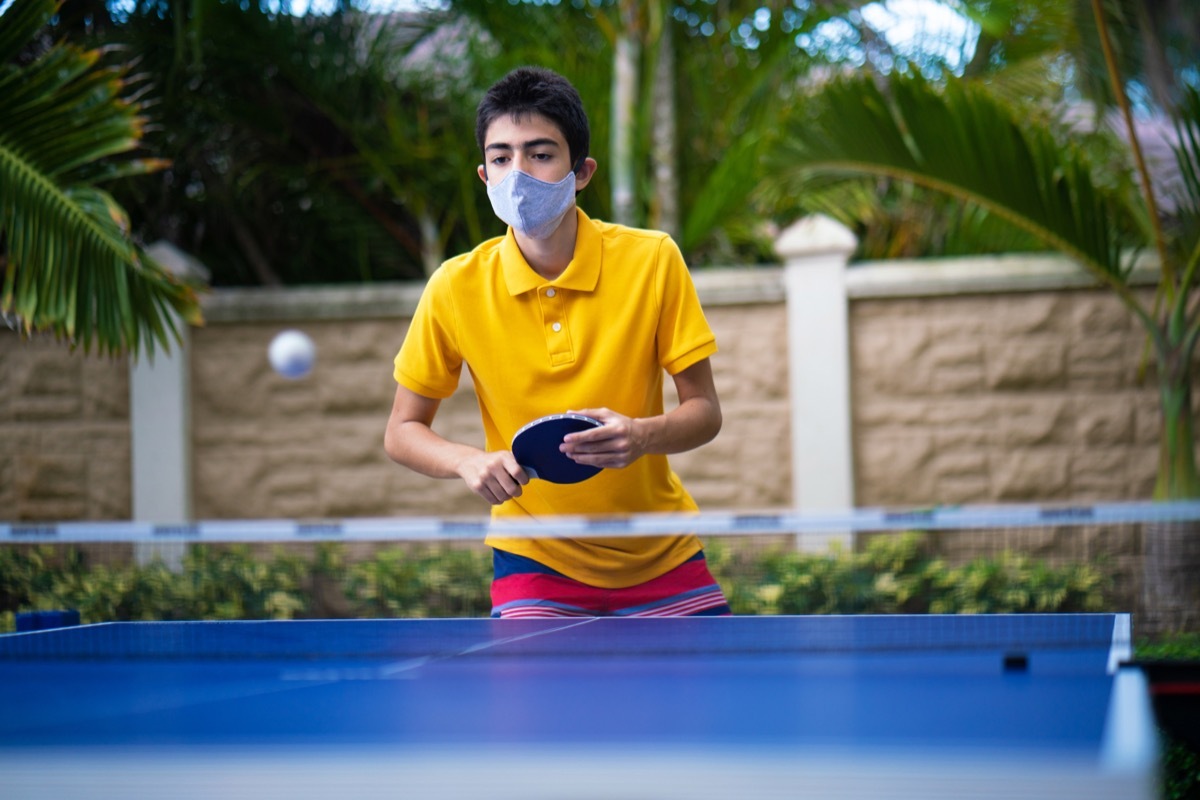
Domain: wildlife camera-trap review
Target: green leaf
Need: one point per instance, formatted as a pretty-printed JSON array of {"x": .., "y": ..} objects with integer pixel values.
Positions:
[
  {"x": 70, "y": 264},
  {"x": 961, "y": 142}
]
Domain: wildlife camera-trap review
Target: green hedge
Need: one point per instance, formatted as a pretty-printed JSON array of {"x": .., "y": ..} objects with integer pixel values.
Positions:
[
  {"x": 897, "y": 575},
  {"x": 893, "y": 574},
  {"x": 233, "y": 582}
]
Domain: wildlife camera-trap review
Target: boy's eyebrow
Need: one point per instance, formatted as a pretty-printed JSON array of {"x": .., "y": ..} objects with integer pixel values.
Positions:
[{"x": 525, "y": 146}]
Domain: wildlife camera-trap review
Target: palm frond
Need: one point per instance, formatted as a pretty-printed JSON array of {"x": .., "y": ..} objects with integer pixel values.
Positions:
[
  {"x": 892, "y": 219},
  {"x": 726, "y": 188},
  {"x": 1024, "y": 83},
  {"x": 1187, "y": 153},
  {"x": 22, "y": 21},
  {"x": 1185, "y": 224},
  {"x": 962, "y": 142},
  {"x": 70, "y": 264}
]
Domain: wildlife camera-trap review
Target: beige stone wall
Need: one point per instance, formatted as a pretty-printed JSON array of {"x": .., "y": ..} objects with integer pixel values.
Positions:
[
  {"x": 270, "y": 447},
  {"x": 1018, "y": 397},
  {"x": 64, "y": 433},
  {"x": 1001, "y": 398},
  {"x": 265, "y": 446}
]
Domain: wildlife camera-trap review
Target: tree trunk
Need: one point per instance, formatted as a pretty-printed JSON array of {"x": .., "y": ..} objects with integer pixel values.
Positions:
[
  {"x": 1170, "y": 597},
  {"x": 666, "y": 178},
  {"x": 626, "y": 56},
  {"x": 1171, "y": 551},
  {"x": 431, "y": 243}
]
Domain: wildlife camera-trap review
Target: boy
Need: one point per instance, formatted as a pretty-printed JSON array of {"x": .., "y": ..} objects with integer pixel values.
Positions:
[{"x": 564, "y": 313}]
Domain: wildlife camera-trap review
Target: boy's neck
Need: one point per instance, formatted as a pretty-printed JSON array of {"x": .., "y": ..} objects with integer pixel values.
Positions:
[{"x": 550, "y": 257}]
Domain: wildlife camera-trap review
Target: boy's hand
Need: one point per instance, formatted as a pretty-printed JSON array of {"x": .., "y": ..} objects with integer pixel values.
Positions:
[
  {"x": 495, "y": 476},
  {"x": 617, "y": 443}
]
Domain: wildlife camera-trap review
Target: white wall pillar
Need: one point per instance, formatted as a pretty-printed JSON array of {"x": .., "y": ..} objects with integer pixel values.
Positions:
[
  {"x": 161, "y": 427},
  {"x": 815, "y": 251},
  {"x": 161, "y": 436},
  {"x": 161, "y": 445}
]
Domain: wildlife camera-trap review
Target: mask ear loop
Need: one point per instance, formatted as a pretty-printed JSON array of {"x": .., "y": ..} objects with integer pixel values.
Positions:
[{"x": 579, "y": 166}]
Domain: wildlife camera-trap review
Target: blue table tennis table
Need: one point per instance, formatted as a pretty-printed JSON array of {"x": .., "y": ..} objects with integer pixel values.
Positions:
[{"x": 1014, "y": 706}]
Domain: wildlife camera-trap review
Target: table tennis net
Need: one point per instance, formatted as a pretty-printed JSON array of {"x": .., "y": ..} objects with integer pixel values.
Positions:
[
  {"x": 942, "y": 560},
  {"x": 400, "y": 641}
]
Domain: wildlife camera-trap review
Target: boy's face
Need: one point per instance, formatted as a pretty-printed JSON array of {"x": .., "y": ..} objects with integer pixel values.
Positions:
[{"x": 532, "y": 144}]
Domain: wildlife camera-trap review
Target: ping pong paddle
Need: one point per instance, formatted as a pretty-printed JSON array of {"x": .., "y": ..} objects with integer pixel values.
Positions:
[{"x": 536, "y": 448}]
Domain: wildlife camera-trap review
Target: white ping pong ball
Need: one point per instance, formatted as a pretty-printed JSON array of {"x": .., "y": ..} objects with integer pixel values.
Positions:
[{"x": 292, "y": 354}]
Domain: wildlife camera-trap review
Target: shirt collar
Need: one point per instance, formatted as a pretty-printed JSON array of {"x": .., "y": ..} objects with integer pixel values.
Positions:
[{"x": 581, "y": 274}]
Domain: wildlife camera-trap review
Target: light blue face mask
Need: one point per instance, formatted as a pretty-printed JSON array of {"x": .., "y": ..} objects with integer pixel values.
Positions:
[{"x": 532, "y": 207}]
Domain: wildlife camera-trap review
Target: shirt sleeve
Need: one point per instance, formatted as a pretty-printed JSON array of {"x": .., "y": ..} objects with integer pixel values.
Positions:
[
  {"x": 430, "y": 362},
  {"x": 684, "y": 336}
]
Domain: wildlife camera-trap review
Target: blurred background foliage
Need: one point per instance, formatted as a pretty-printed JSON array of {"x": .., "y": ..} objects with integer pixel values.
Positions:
[
  {"x": 892, "y": 574},
  {"x": 338, "y": 146}
]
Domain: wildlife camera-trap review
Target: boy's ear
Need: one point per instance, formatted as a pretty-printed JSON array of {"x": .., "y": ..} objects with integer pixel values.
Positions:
[
  {"x": 481, "y": 170},
  {"x": 585, "y": 173}
]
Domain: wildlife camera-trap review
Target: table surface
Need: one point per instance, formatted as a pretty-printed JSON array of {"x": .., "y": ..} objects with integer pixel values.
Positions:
[{"x": 839, "y": 706}]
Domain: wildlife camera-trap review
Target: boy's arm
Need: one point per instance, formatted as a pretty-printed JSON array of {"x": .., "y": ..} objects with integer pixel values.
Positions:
[
  {"x": 411, "y": 441},
  {"x": 623, "y": 440}
]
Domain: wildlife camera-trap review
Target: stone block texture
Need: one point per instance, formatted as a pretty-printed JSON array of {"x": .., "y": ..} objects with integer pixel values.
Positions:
[{"x": 1019, "y": 397}]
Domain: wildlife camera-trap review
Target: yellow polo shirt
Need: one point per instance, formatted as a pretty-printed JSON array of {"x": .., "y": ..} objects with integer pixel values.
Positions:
[{"x": 600, "y": 334}]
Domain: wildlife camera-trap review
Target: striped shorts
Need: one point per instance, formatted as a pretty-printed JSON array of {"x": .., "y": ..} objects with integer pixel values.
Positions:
[{"x": 522, "y": 588}]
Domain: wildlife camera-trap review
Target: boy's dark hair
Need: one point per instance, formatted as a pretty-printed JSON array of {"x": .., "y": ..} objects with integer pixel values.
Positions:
[{"x": 534, "y": 90}]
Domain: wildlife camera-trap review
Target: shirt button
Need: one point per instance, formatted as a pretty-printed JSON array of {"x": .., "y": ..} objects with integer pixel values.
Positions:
[
  {"x": 550, "y": 293},
  {"x": 556, "y": 327}
]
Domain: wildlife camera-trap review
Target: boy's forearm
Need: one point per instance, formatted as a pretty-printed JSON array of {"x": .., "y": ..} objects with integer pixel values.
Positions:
[
  {"x": 414, "y": 445},
  {"x": 694, "y": 422}
]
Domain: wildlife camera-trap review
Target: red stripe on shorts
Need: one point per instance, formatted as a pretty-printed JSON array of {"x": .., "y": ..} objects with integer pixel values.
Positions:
[{"x": 688, "y": 589}]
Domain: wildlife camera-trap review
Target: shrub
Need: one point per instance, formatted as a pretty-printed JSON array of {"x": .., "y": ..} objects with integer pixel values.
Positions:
[
  {"x": 896, "y": 575},
  {"x": 426, "y": 582},
  {"x": 892, "y": 574}
]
